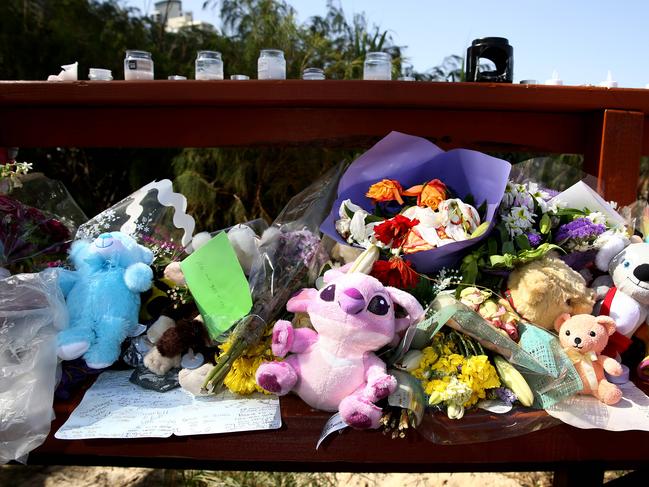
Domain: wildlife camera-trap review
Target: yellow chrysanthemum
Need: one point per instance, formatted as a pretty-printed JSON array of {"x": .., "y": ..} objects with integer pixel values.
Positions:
[
  {"x": 429, "y": 357},
  {"x": 448, "y": 365},
  {"x": 241, "y": 378},
  {"x": 479, "y": 375}
]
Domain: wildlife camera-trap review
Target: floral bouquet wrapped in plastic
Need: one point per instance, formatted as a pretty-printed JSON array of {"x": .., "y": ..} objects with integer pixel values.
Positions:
[{"x": 412, "y": 199}]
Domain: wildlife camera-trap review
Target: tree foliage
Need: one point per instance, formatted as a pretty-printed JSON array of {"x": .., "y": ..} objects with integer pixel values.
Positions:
[{"x": 223, "y": 186}]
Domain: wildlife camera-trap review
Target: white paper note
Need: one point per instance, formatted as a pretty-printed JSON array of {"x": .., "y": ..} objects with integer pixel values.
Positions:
[
  {"x": 587, "y": 412},
  {"x": 115, "y": 408}
]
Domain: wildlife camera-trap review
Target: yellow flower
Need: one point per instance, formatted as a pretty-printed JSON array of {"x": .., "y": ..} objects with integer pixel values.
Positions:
[
  {"x": 385, "y": 190},
  {"x": 479, "y": 375},
  {"x": 436, "y": 389},
  {"x": 448, "y": 365},
  {"x": 429, "y": 357},
  {"x": 241, "y": 377}
]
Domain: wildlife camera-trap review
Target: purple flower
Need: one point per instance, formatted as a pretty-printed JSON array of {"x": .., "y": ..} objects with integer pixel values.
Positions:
[
  {"x": 534, "y": 239},
  {"x": 579, "y": 229},
  {"x": 505, "y": 395}
]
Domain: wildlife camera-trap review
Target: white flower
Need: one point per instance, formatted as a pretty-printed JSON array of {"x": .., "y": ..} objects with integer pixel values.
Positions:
[
  {"x": 342, "y": 227},
  {"x": 462, "y": 220},
  {"x": 429, "y": 222},
  {"x": 597, "y": 218},
  {"x": 354, "y": 230},
  {"x": 357, "y": 227},
  {"x": 347, "y": 207}
]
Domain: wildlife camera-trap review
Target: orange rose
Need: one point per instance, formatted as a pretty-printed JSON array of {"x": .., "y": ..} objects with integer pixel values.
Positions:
[
  {"x": 430, "y": 194},
  {"x": 386, "y": 190}
]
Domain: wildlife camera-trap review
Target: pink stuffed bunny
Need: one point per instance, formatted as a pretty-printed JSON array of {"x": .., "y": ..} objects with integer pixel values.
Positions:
[{"x": 333, "y": 368}]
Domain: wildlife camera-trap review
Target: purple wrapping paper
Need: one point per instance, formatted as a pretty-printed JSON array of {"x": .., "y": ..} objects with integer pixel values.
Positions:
[{"x": 413, "y": 160}]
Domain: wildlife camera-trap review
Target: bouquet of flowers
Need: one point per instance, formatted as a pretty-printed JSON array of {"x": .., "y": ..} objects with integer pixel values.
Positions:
[
  {"x": 417, "y": 203},
  {"x": 532, "y": 221},
  {"x": 30, "y": 239}
]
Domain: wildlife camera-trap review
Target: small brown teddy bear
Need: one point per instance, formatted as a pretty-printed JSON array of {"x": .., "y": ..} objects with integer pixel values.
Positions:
[
  {"x": 542, "y": 290},
  {"x": 583, "y": 337}
]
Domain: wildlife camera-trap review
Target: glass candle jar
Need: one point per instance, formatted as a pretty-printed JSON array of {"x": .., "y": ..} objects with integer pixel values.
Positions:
[
  {"x": 313, "y": 73},
  {"x": 378, "y": 66},
  {"x": 209, "y": 65},
  {"x": 138, "y": 65},
  {"x": 98, "y": 74},
  {"x": 271, "y": 64}
]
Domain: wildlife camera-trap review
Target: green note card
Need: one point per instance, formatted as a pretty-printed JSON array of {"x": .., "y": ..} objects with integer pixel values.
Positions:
[{"x": 218, "y": 284}]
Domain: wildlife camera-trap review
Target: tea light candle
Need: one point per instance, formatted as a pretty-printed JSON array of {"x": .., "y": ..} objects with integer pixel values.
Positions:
[
  {"x": 555, "y": 80},
  {"x": 313, "y": 74},
  {"x": 608, "y": 82},
  {"x": 98, "y": 74}
]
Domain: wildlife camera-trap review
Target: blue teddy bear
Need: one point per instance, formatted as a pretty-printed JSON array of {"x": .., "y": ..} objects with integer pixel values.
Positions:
[{"x": 103, "y": 296}]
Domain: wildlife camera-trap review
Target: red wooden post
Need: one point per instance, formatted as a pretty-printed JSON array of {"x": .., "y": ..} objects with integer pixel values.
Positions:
[{"x": 614, "y": 153}]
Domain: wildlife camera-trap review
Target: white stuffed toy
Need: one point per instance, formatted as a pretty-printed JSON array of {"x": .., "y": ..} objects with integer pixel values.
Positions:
[{"x": 624, "y": 293}]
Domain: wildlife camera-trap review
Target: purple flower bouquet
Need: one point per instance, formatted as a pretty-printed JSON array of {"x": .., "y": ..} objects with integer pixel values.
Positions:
[{"x": 412, "y": 160}]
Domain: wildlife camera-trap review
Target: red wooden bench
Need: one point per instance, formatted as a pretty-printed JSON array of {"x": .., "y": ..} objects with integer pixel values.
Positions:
[{"x": 606, "y": 125}]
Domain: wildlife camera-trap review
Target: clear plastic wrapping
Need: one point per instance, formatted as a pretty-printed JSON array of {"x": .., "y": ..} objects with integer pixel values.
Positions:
[
  {"x": 32, "y": 310},
  {"x": 538, "y": 356},
  {"x": 291, "y": 255}
]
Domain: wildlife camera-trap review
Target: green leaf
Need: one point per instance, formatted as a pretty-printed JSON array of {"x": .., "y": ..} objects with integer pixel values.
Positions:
[
  {"x": 492, "y": 246},
  {"x": 469, "y": 269},
  {"x": 373, "y": 218},
  {"x": 546, "y": 224},
  {"x": 482, "y": 228},
  {"x": 506, "y": 261},
  {"x": 510, "y": 260},
  {"x": 508, "y": 247},
  {"x": 523, "y": 242}
]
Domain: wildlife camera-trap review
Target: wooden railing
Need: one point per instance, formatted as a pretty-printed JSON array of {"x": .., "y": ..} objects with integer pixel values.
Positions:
[{"x": 606, "y": 125}]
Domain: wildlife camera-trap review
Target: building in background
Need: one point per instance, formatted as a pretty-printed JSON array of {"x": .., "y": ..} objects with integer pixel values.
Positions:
[{"x": 170, "y": 12}]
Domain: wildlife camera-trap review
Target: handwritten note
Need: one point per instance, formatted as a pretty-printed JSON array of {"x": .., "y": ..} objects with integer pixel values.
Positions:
[
  {"x": 115, "y": 408},
  {"x": 587, "y": 412},
  {"x": 218, "y": 284}
]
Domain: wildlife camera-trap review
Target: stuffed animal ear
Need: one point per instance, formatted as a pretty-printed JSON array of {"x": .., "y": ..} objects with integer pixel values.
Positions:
[
  {"x": 335, "y": 273},
  {"x": 78, "y": 250},
  {"x": 146, "y": 255},
  {"x": 609, "y": 250},
  {"x": 299, "y": 302},
  {"x": 608, "y": 323},
  {"x": 414, "y": 311},
  {"x": 563, "y": 317}
]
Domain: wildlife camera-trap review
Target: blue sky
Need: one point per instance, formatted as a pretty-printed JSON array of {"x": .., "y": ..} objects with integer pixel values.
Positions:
[{"x": 581, "y": 39}]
